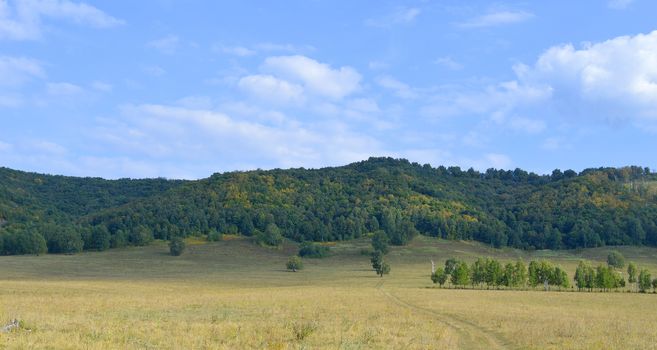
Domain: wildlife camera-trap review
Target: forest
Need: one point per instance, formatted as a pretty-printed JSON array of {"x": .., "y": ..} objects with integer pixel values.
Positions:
[{"x": 562, "y": 210}]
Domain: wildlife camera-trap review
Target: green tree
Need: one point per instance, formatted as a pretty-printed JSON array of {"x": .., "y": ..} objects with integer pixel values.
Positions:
[
  {"x": 616, "y": 259},
  {"x": 100, "y": 238},
  {"x": 384, "y": 269},
  {"x": 645, "y": 281},
  {"x": 271, "y": 236},
  {"x": 460, "y": 275},
  {"x": 439, "y": 276},
  {"x": 176, "y": 246},
  {"x": 520, "y": 274},
  {"x": 632, "y": 273},
  {"x": 584, "y": 274},
  {"x": 559, "y": 278},
  {"x": 376, "y": 259},
  {"x": 478, "y": 271},
  {"x": 654, "y": 285},
  {"x": 493, "y": 272},
  {"x": 450, "y": 265},
  {"x": 380, "y": 241},
  {"x": 294, "y": 263}
]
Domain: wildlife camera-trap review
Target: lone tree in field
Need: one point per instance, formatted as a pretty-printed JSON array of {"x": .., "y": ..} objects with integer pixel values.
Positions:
[
  {"x": 176, "y": 246},
  {"x": 616, "y": 260},
  {"x": 378, "y": 264},
  {"x": 294, "y": 263}
]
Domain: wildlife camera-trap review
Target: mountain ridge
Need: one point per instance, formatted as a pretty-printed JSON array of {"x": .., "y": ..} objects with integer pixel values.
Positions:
[{"x": 602, "y": 206}]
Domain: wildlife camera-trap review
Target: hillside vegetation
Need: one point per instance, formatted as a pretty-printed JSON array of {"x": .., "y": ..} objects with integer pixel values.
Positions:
[{"x": 605, "y": 206}]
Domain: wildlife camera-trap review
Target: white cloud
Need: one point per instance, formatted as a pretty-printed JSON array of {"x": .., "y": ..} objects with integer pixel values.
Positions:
[
  {"x": 11, "y": 101},
  {"x": 101, "y": 86},
  {"x": 529, "y": 126},
  {"x": 495, "y": 160},
  {"x": 318, "y": 78},
  {"x": 63, "y": 89},
  {"x": 15, "y": 71},
  {"x": 155, "y": 71},
  {"x": 168, "y": 45},
  {"x": 448, "y": 63},
  {"x": 4, "y": 147},
  {"x": 614, "y": 79},
  {"x": 268, "y": 47},
  {"x": 22, "y": 21},
  {"x": 619, "y": 4},
  {"x": 400, "y": 89},
  {"x": 401, "y": 15},
  {"x": 219, "y": 141},
  {"x": 497, "y": 18},
  {"x": 47, "y": 147},
  {"x": 272, "y": 89},
  {"x": 240, "y": 51},
  {"x": 378, "y": 65}
]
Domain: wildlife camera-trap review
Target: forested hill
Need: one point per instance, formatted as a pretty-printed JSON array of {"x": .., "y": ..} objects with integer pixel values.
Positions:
[{"x": 606, "y": 206}]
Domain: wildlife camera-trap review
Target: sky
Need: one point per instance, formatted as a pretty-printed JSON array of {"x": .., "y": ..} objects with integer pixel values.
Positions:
[{"x": 184, "y": 89}]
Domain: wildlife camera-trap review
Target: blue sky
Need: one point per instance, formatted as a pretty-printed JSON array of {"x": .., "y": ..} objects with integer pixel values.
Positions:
[{"x": 183, "y": 89}]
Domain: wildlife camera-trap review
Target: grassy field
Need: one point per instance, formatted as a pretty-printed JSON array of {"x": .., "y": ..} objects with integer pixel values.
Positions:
[{"x": 234, "y": 294}]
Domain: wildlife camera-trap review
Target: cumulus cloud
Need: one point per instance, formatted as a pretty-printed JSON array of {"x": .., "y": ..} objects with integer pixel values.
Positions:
[
  {"x": 497, "y": 18},
  {"x": 318, "y": 78},
  {"x": 615, "y": 79},
  {"x": 21, "y": 20},
  {"x": 210, "y": 140},
  {"x": 271, "y": 89}
]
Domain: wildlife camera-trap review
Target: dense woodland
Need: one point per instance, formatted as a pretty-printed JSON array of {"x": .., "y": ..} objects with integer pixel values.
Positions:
[{"x": 565, "y": 209}]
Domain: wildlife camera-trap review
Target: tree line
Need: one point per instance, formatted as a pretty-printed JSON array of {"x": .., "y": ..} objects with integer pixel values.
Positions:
[{"x": 490, "y": 273}]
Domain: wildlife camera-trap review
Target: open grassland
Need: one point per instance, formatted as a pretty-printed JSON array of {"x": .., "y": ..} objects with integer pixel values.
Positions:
[{"x": 234, "y": 294}]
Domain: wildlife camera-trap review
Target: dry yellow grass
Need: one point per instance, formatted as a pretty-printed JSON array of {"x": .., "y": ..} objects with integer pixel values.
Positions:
[{"x": 234, "y": 294}]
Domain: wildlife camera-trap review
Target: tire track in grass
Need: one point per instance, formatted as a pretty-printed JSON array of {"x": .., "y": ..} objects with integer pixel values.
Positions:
[{"x": 471, "y": 336}]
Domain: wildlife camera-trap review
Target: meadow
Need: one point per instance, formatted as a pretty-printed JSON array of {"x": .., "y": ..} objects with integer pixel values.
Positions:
[{"x": 235, "y": 294}]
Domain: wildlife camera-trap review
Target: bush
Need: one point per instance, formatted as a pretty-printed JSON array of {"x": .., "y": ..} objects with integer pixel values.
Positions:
[
  {"x": 271, "y": 237},
  {"x": 176, "y": 246},
  {"x": 214, "y": 236},
  {"x": 313, "y": 250},
  {"x": 616, "y": 260},
  {"x": 141, "y": 236},
  {"x": 294, "y": 263}
]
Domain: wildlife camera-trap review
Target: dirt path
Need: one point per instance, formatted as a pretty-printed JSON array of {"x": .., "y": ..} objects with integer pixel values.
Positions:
[{"x": 471, "y": 336}]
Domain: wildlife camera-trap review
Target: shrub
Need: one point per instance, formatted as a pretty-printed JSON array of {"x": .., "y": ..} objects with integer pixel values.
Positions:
[
  {"x": 294, "y": 263},
  {"x": 214, "y": 236},
  {"x": 616, "y": 259},
  {"x": 313, "y": 250},
  {"x": 271, "y": 237},
  {"x": 176, "y": 246}
]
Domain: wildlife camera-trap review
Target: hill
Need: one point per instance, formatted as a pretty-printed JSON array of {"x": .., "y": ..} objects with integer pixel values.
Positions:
[{"x": 605, "y": 206}]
